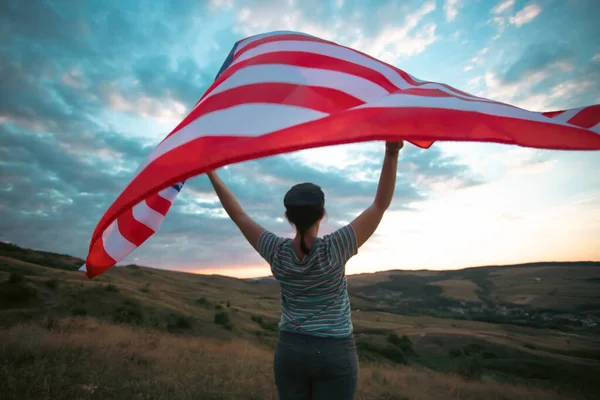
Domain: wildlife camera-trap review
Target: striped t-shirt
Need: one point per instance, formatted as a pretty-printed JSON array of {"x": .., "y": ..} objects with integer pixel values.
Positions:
[{"x": 314, "y": 293}]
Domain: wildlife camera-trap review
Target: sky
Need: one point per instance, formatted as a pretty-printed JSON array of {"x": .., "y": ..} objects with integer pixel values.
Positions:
[{"x": 88, "y": 89}]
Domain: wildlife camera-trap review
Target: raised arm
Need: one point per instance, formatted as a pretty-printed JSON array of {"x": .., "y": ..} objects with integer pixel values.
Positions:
[
  {"x": 366, "y": 223},
  {"x": 250, "y": 228}
]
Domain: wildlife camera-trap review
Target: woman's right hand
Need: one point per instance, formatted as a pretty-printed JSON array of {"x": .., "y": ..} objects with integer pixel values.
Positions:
[{"x": 394, "y": 147}]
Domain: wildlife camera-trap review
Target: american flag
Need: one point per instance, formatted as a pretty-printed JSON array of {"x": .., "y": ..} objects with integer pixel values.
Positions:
[{"x": 282, "y": 91}]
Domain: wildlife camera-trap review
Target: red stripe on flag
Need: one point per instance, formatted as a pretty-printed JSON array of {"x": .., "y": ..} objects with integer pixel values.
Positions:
[
  {"x": 132, "y": 229},
  {"x": 316, "y": 98},
  {"x": 279, "y": 38},
  {"x": 552, "y": 114},
  {"x": 99, "y": 260},
  {"x": 587, "y": 117},
  {"x": 159, "y": 203}
]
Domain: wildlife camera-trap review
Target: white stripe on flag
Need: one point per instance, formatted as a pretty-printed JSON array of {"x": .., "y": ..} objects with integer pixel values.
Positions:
[
  {"x": 351, "y": 56},
  {"x": 356, "y": 86},
  {"x": 254, "y": 38},
  {"x": 147, "y": 216},
  {"x": 169, "y": 194},
  {"x": 567, "y": 115},
  {"x": 238, "y": 120},
  {"x": 596, "y": 128},
  {"x": 331, "y": 50},
  {"x": 403, "y": 100},
  {"x": 115, "y": 244}
]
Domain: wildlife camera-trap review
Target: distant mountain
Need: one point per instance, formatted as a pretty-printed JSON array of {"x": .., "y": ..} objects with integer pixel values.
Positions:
[{"x": 545, "y": 293}]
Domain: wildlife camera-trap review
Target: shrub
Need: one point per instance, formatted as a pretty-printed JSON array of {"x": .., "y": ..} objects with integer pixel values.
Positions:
[
  {"x": 218, "y": 307},
  {"x": 78, "y": 310},
  {"x": 16, "y": 291},
  {"x": 176, "y": 322},
  {"x": 228, "y": 304},
  {"x": 470, "y": 367},
  {"x": 16, "y": 277},
  {"x": 371, "y": 352},
  {"x": 202, "y": 301},
  {"x": 222, "y": 318},
  {"x": 266, "y": 325},
  {"x": 145, "y": 289},
  {"x": 472, "y": 349},
  {"x": 52, "y": 283},
  {"x": 403, "y": 343},
  {"x": 129, "y": 312},
  {"x": 111, "y": 288},
  {"x": 455, "y": 353}
]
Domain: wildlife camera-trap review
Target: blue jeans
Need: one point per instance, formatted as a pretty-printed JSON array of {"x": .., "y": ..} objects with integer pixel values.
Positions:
[{"x": 315, "y": 368}]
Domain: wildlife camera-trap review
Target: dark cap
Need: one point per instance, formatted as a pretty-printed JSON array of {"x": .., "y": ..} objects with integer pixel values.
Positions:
[{"x": 304, "y": 194}]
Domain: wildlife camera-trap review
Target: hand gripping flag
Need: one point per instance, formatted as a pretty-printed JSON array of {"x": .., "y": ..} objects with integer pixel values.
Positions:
[{"x": 285, "y": 91}]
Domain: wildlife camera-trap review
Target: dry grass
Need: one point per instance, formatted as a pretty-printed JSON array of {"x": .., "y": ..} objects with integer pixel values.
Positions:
[
  {"x": 562, "y": 288},
  {"x": 87, "y": 359},
  {"x": 461, "y": 290}
]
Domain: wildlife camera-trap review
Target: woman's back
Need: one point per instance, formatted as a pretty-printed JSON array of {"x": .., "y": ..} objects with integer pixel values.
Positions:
[
  {"x": 316, "y": 356},
  {"x": 314, "y": 294}
]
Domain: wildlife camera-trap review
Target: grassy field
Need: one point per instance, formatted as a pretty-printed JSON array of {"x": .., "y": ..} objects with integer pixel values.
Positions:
[
  {"x": 86, "y": 359},
  {"x": 137, "y": 332},
  {"x": 457, "y": 289}
]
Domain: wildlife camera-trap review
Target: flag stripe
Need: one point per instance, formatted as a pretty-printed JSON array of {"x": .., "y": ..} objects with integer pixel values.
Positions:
[
  {"x": 404, "y": 99},
  {"x": 587, "y": 118},
  {"x": 235, "y": 121},
  {"x": 349, "y": 57},
  {"x": 147, "y": 216},
  {"x": 566, "y": 115},
  {"x": 169, "y": 194},
  {"x": 552, "y": 114},
  {"x": 327, "y": 50},
  {"x": 115, "y": 245},
  {"x": 353, "y": 85},
  {"x": 132, "y": 229},
  {"x": 279, "y": 35},
  {"x": 158, "y": 204},
  {"x": 316, "y": 98}
]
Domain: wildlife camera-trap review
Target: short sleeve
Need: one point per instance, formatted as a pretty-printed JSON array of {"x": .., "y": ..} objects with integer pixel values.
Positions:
[
  {"x": 342, "y": 244},
  {"x": 267, "y": 245}
]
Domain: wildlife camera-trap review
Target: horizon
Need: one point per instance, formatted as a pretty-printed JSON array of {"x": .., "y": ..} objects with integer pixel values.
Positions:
[
  {"x": 220, "y": 271},
  {"x": 87, "y": 100}
]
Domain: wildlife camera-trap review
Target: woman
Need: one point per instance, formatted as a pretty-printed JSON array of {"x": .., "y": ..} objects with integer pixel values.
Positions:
[{"x": 316, "y": 355}]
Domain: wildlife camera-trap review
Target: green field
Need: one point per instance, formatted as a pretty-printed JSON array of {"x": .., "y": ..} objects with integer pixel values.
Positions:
[{"x": 136, "y": 332}]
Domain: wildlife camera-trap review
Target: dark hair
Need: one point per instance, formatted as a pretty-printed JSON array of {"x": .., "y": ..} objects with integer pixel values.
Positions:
[
  {"x": 305, "y": 205},
  {"x": 303, "y": 217}
]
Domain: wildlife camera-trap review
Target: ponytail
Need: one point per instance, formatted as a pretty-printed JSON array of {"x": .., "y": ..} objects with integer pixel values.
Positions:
[
  {"x": 303, "y": 246},
  {"x": 303, "y": 217}
]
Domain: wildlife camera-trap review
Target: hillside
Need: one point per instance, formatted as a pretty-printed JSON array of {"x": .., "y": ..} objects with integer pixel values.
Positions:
[
  {"x": 212, "y": 337},
  {"x": 553, "y": 295}
]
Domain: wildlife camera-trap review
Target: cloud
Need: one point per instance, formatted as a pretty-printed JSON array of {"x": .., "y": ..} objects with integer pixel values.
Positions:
[
  {"x": 528, "y": 160},
  {"x": 596, "y": 57},
  {"x": 380, "y": 36},
  {"x": 503, "y": 6},
  {"x": 477, "y": 59},
  {"x": 81, "y": 86},
  {"x": 526, "y": 15},
  {"x": 451, "y": 9},
  {"x": 545, "y": 77},
  {"x": 539, "y": 57}
]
